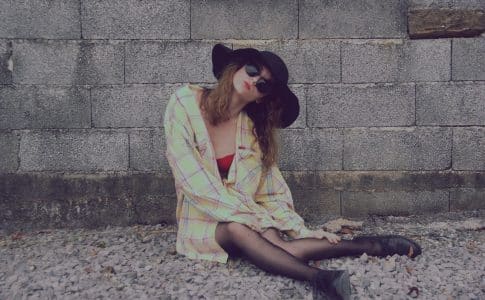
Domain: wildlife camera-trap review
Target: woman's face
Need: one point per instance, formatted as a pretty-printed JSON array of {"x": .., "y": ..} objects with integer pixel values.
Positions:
[{"x": 245, "y": 85}]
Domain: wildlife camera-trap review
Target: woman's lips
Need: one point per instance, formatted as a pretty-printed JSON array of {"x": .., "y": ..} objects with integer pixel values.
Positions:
[{"x": 247, "y": 85}]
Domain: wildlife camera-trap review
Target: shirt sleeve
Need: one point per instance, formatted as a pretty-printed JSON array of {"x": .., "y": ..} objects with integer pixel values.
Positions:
[
  {"x": 204, "y": 190},
  {"x": 275, "y": 196}
]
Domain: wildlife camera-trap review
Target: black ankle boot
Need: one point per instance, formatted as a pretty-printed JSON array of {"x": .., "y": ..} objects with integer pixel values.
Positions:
[
  {"x": 393, "y": 244},
  {"x": 331, "y": 284}
]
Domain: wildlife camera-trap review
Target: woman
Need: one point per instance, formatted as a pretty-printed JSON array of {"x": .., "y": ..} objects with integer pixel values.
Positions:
[{"x": 231, "y": 196}]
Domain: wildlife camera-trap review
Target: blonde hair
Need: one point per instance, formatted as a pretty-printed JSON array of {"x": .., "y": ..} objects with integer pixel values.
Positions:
[{"x": 265, "y": 115}]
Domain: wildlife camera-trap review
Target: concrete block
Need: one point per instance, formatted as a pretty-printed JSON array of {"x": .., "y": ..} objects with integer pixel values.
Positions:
[
  {"x": 450, "y": 103},
  {"x": 360, "y": 105},
  {"x": 128, "y": 19},
  {"x": 168, "y": 62},
  {"x": 467, "y": 199},
  {"x": 312, "y": 205},
  {"x": 361, "y": 204},
  {"x": 427, "y": 148},
  {"x": 35, "y": 106},
  {"x": 130, "y": 105},
  {"x": 352, "y": 19},
  {"x": 147, "y": 150},
  {"x": 272, "y": 19},
  {"x": 469, "y": 148},
  {"x": 308, "y": 61},
  {"x": 468, "y": 62},
  {"x": 396, "y": 60},
  {"x": 74, "y": 150},
  {"x": 9, "y": 147},
  {"x": 49, "y": 19},
  {"x": 469, "y": 4},
  {"x": 418, "y": 4},
  {"x": 310, "y": 149},
  {"x": 6, "y": 62},
  {"x": 67, "y": 62}
]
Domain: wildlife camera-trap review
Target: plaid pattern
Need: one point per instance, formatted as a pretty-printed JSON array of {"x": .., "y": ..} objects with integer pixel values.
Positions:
[{"x": 247, "y": 196}]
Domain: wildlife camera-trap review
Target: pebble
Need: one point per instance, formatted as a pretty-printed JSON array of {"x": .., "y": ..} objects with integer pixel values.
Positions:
[
  {"x": 390, "y": 265},
  {"x": 141, "y": 262}
]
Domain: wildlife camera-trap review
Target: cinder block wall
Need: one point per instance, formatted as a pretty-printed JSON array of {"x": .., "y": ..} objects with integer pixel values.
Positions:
[{"x": 388, "y": 124}]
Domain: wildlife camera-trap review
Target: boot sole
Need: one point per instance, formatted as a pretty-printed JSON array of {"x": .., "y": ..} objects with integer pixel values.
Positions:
[{"x": 341, "y": 284}]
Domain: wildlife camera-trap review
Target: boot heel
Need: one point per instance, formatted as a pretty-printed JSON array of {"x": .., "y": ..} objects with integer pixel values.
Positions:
[{"x": 331, "y": 284}]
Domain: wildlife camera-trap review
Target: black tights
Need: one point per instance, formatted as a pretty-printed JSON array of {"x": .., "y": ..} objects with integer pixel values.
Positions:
[{"x": 238, "y": 239}]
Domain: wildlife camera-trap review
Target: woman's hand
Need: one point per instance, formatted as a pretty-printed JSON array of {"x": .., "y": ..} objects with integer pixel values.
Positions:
[{"x": 320, "y": 234}]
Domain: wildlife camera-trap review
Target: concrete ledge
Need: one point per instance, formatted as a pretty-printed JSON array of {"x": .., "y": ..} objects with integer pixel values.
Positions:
[
  {"x": 38, "y": 200},
  {"x": 56, "y": 200}
]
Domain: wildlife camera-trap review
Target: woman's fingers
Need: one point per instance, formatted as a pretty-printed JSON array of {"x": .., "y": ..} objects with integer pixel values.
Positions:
[{"x": 333, "y": 238}]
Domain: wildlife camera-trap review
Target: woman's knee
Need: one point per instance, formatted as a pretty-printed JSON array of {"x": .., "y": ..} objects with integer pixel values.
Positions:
[
  {"x": 296, "y": 251},
  {"x": 227, "y": 234},
  {"x": 231, "y": 230}
]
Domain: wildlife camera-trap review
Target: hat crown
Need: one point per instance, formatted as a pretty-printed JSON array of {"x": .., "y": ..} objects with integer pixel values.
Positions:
[{"x": 277, "y": 66}]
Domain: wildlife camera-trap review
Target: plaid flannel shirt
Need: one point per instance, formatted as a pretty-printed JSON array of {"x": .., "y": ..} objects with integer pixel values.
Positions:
[{"x": 247, "y": 196}]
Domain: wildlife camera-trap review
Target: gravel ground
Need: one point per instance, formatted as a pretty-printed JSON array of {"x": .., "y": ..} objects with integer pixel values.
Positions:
[{"x": 140, "y": 262}]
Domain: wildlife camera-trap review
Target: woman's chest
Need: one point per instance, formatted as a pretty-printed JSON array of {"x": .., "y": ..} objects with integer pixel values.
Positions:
[{"x": 223, "y": 138}]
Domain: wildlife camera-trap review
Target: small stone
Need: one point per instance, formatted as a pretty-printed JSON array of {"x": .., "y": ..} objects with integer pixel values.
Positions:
[
  {"x": 108, "y": 269},
  {"x": 390, "y": 265},
  {"x": 365, "y": 282},
  {"x": 147, "y": 239},
  {"x": 101, "y": 244}
]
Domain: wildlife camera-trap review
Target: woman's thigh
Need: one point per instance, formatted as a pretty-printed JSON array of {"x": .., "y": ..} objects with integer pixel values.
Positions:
[{"x": 225, "y": 235}]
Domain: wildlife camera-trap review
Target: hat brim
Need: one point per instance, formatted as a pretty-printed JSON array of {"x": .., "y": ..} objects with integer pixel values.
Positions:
[
  {"x": 222, "y": 55},
  {"x": 291, "y": 107}
]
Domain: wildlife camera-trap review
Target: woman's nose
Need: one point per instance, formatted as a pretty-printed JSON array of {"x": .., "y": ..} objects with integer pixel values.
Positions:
[{"x": 254, "y": 79}]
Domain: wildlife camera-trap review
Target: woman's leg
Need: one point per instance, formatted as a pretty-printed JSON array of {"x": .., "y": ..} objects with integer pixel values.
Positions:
[
  {"x": 316, "y": 249},
  {"x": 261, "y": 252}
]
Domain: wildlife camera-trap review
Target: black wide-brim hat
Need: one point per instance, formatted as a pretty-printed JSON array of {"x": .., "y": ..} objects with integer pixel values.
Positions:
[{"x": 222, "y": 56}]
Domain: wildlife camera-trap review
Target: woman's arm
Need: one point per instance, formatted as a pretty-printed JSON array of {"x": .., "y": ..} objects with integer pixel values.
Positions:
[
  {"x": 275, "y": 196},
  {"x": 204, "y": 190}
]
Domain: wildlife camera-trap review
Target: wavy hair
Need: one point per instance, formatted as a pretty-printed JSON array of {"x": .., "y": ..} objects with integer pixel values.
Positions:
[{"x": 265, "y": 115}]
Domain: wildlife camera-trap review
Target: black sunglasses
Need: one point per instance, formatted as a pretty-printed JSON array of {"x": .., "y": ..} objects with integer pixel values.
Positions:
[{"x": 264, "y": 86}]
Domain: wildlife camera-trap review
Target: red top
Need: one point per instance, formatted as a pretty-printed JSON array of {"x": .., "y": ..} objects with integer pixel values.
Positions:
[{"x": 224, "y": 163}]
